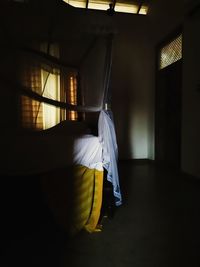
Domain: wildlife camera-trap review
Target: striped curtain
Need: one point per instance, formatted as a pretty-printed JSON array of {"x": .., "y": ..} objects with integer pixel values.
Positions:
[{"x": 31, "y": 110}]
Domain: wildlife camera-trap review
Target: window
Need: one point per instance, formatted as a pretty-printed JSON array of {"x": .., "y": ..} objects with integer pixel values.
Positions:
[
  {"x": 125, "y": 6},
  {"x": 171, "y": 52},
  {"x": 38, "y": 115},
  {"x": 31, "y": 115}
]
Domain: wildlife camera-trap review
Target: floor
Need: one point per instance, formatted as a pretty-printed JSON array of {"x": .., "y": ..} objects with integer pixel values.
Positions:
[{"x": 157, "y": 226}]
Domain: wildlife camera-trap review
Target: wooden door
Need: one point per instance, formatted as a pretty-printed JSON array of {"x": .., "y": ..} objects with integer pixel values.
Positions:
[{"x": 168, "y": 115}]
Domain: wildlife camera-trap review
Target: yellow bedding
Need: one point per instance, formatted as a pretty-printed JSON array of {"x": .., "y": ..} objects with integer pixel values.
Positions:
[{"x": 88, "y": 187}]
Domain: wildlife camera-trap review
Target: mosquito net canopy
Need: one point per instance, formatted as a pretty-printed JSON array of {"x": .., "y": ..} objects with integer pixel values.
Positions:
[
  {"x": 60, "y": 40},
  {"x": 60, "y": 61}
]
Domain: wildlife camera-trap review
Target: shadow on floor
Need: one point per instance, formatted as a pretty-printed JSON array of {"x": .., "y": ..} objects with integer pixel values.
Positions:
[{"x": 157, "y": 226}]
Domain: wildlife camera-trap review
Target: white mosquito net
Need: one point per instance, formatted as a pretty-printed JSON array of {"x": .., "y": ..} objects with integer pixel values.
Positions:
[{"x": 63, "y": 43}]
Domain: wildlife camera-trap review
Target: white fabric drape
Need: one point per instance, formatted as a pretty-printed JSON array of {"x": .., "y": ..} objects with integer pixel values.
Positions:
[
  {"x": 87, "y": 151},
  {"x": 107, "y": 138}
]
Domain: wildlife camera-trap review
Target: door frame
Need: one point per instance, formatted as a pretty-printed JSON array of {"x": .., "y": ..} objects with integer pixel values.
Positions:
[{"x": 170, "y": 37}]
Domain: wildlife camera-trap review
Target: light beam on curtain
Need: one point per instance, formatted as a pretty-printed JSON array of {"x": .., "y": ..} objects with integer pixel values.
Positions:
[
  {"x": 42, "y": 78},
  {"x": 51, "y": 85}
]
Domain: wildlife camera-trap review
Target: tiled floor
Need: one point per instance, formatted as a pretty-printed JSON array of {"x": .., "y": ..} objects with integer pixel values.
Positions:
[{"x": 157, "y": 226}]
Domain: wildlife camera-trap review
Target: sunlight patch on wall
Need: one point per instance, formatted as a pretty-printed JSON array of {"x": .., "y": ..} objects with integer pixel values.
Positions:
[{"x": 139, "y": 134}]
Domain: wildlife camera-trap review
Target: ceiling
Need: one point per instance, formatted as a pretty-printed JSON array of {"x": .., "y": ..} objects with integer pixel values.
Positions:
[{"x": 125, "y": 6}]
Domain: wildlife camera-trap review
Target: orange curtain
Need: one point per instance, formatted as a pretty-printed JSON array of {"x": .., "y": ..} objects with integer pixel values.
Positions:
[
  {"x": 31, "y": 110},
  {"x": 71, "y": 92}
]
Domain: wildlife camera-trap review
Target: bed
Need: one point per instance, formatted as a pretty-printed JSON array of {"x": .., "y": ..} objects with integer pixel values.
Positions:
[
  {"x": 88, "y": 183},
  {"x": 71, "y": 164},
  {"x": 91, "y": 156},
  {"x": 69, "y": 160}
]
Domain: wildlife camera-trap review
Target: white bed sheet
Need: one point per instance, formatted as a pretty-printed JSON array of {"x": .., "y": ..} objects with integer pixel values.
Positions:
[{"x": 88, "y": 152}]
